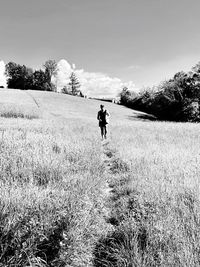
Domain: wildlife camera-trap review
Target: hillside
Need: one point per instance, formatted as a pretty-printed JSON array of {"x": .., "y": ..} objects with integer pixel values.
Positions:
[
  {"x": 68, "y": 106},
  {"x": 63, "y": 105},
  {"x": 69, "y": 199}
]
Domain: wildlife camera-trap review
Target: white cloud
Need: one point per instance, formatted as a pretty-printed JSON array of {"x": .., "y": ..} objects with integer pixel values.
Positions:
[
  {"x": 93, "y": 84},
  {"x": 101, "y": 85},
  {"x": 62, "y": 77},
  {"x": 3, "y": 81},
  {"x": 98, "y": 84}
]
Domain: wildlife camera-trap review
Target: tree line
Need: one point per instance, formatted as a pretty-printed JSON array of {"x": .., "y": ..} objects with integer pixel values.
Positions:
[
  {"x": 23, "y": 77},
  {"x": 176, "y": 99}
]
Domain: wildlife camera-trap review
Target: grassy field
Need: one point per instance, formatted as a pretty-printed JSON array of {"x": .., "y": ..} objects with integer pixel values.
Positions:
[
  {"x": 68, "y": 199},
  {"x": 155, "y": 203}
]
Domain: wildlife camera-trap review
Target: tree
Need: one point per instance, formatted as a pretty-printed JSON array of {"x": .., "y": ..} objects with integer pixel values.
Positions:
[
  {"x": 126, "y": 96},
  {"x": 74, "y": 84},
  {"x": 28, "y": 77},
  {"x": 39, "y": 80},
  {"x": 196, "y": 68},
  {"x": 19, "y": 76},
  {"x": 50, "y": 71},
  {"x": 13, "y": 74}
]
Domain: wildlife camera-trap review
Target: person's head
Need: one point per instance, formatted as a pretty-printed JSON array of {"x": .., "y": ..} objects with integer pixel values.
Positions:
[{"x": 102, "y": 107}]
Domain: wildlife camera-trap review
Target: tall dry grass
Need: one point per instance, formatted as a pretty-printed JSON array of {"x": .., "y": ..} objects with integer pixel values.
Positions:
[
  {"x": 51, "y": 205},
  {"x": 155, "y": 205}
]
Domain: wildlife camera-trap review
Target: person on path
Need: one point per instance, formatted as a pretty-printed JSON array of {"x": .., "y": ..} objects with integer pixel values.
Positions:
[{"x": 103, "y": 118}]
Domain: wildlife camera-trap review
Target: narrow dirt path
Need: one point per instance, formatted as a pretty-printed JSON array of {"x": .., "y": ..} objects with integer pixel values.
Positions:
[
  {"x": 107, "y": 156},
  {"x": 104, "y": 253}
]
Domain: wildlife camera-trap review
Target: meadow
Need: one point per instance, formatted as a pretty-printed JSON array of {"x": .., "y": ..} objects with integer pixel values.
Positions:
[
  {"x": 68, "y": 199},
  {"x": 155, "y": 201}
]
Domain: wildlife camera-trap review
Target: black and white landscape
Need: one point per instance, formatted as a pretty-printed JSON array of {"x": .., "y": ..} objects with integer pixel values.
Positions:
[{"x": 69, "y": 198}]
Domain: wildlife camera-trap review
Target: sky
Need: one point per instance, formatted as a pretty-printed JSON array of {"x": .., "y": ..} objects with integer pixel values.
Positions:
[{"x": 143, "y": 41}]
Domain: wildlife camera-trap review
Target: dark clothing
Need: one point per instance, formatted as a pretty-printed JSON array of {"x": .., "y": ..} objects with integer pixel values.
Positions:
[
  {"x": 102, "y": 118},
  {"x": 102, "y": 124}
]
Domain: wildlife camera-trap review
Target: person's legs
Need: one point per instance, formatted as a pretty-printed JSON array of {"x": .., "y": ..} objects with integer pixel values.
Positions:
[
  {"x": 102, "y": 132},
  {"x": 105, "y": 131}
]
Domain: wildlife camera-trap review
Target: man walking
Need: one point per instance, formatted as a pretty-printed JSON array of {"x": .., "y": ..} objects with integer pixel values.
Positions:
[{"x": 102, "y": 117}]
